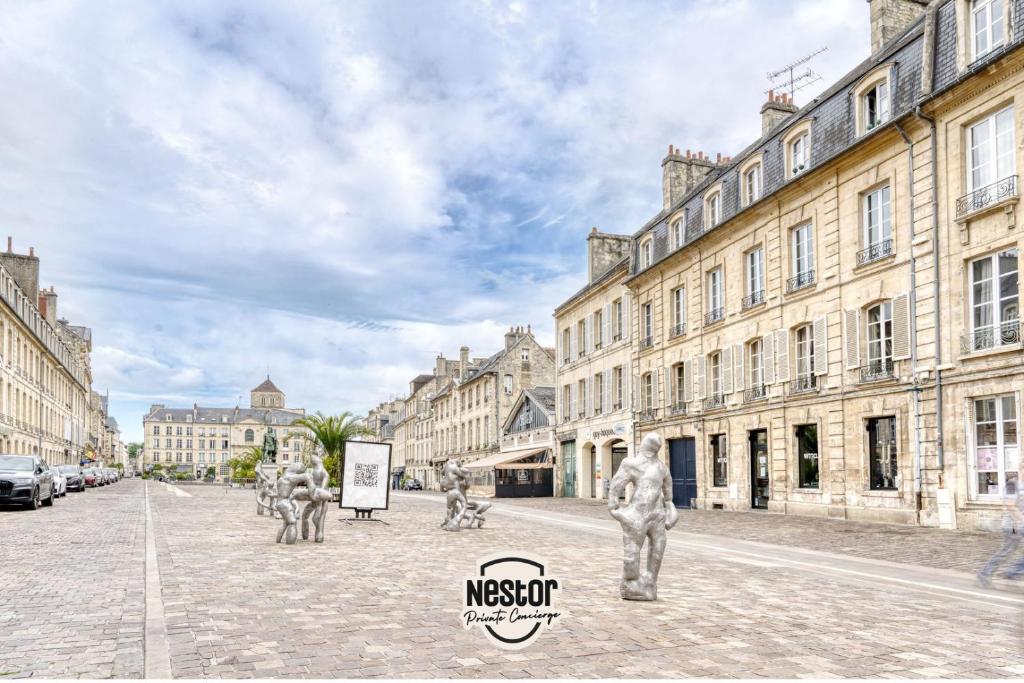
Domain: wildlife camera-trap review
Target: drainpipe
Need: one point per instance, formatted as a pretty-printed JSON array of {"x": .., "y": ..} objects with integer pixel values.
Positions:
[
  {"x": 939, "y": 449},
  {"x": 916, "y": 390}
]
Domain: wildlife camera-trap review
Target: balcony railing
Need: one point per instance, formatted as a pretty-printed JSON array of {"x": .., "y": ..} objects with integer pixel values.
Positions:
[
  {"x": 800, "y": 281},
  {"x": 646, "y": 342},
  {"x": 874, "y": 252},
  {"x": 617, "y": 337},
  {"x": 991, "y": 337},
  {"x": 648, "y": 415},
  {"x": 755, "y": 394},
  {"x": 712, "y": 317},
  {"x": 678, "y": 408},
  {"x": 986, "y": 196},
  {"x": 753, "y": 299},
  {"x": 877, "y": 370},
  {"x": 803, "y": 385},
  {"x": 713, "y": 402},
  {"x": 679, "y": 329}
]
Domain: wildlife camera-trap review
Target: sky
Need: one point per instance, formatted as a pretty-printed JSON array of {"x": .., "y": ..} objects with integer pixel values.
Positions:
[{"x": 336, "y": 192}]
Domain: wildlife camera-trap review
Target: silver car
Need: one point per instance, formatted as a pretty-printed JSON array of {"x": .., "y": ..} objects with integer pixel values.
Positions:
[
  {"x": 60, "y": 482},
  {"x": 26, "y": 480}
]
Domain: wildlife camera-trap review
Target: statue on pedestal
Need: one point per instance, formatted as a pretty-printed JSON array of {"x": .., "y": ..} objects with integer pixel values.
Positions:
[
  {"x": 269, "y": 446},
  {"x": 455, "y": 484},
  {"x": 646, "y": 518}
]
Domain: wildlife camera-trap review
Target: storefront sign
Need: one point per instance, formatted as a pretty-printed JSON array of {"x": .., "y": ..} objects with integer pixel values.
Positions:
[{"x": 512, "y": 598}]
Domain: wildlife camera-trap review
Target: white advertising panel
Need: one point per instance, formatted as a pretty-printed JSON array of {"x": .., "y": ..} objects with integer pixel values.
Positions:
[{"x": 366, "y": 475}]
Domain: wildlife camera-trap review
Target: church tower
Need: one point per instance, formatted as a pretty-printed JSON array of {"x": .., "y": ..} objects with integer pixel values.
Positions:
[{"x": 266, "y": 395}]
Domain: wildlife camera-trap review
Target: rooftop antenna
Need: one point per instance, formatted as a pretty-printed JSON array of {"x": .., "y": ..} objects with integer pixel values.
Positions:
[{"x": 795, "y": 81}]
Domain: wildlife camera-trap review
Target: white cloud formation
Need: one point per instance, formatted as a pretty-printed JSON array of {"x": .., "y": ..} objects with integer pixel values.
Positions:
[{"x": 338, "y": 191}]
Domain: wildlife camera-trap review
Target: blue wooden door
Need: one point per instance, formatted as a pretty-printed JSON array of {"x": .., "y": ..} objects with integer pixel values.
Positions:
[{"x": 682, "y": 454}]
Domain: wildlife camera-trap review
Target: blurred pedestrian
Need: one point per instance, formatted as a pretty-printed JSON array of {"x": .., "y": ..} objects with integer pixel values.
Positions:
[{"x": 1013, "y": 526}]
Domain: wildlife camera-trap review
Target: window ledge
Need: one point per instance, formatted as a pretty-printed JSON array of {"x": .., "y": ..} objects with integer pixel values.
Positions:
[
  {"x": 990, "y": 208},
  {"x": 994, "y": 351},
  {"x": 870, "y": 265}
]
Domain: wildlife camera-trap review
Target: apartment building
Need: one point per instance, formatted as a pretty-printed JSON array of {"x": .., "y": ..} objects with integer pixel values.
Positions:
[
  {"x": 45, "y": 376},
  {"x": 593, "y": 372},
  {"x": 828, "y": 324}
]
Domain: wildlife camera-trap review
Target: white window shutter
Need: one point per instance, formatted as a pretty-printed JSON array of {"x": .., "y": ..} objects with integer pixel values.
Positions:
[
  {"x": 606, "y": 400},
  {"x": 573, "y": 342},
  {"x": 588, "y": 344},
  {"x": 606, "y": 325},
  {"x": 852, "y": 331},
  {"x": 636, "y": 385},
  {"x": 572, "y": 401},
  {"x": 821, "y": 345},
  {"x": 627, "y": 389},
  {"x": 627, "y": 313},
  {"x": 727, "y": 370},
  {"x": 737, "y": 353},
  {"x": 768, "y": 358},
  {"x": 901, "y": 327},
  {"x": 658, "y": 399},
  {"x": 698, "y": 377},
  {"x": 558, "y": 347},
  {"x": 782, "y": 355},
  {"x": 688, "y": 380}
]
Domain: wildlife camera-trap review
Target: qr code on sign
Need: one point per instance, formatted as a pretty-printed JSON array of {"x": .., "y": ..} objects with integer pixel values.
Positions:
[{"x": 366, "y": 475}]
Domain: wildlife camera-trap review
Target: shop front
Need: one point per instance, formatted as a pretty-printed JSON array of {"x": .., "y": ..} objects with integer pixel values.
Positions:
[{"x": 514, "y": 474}]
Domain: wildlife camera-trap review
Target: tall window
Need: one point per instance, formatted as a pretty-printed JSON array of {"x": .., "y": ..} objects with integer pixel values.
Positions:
[
  {"x": 679, "y": 377},
  {"x": 648, "y": 309},
  {"x": 752, "y": 184},
  {"x": 995, "y": 303},
  {"x": 647, "y": 384},
  {"x": 875, "y": 103},
  {"x": 755, "y": 362},
  {"x": 882, "y": 453},
  {"x": 990, "y": 152},
  {"x": 715, "y": 294},
  {"x": 678, "y": 233},
  {"x": 679, "y": 310},
  {"x": 581, "y": 338},
  {"x": 508, "y": 385},
  {"x": 566, "y": 403},
  {"x": 880, "y": 338},
  {"x": 599, "y": 406},
  {"x": 755, "y": 277},
  {"x": 988, "y": 23},
  {"x": 646, "y": 253},
  {"x": 877, "y": 218},
  {"x": 719, "y": 460},
  {"x": 805, "y": 354},
  {"x": 803, "y": 251},
  {"x": 799, "y": 154},
  {"x": 617, "y": 377},
  {"x": 617, "y": 319},
  {"x": 712, "y": 210},
  {"x": 598, "y": 327},
  {"x": 996, "y": 447},
  {"x": 250, "y": 437},
  {"x": 715, "y": 371},
  {"x": 807, "y": 455}
]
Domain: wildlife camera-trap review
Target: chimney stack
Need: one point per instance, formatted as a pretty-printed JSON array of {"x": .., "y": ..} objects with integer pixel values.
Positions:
[
  {"x": 48, "y": 305},
  {"x": 680, "y": 174},
  {"x": 604, "y": 251},
  {"x": 777, "y": 109},
  {"x": 890, "y": 18},
  {"x": 463, "y": 362},
  {"x": 24, "y": 269}
]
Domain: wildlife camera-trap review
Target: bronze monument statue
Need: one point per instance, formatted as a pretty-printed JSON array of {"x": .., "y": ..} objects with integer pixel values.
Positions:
[
  {"x": 269, "y": 446},
  {"x": 646, "y": 518}
]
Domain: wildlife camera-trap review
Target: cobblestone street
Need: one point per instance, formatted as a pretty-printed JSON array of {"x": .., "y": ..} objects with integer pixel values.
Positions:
[{"x": 384, "y": 600}]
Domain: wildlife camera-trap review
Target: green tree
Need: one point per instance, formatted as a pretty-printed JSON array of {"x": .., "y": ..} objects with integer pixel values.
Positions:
[
  {"x": 211, "y": 472},
  {"x": 244, "y": 466},
  {"x": 330, "y": 432},
  {"x": 133, "y": 449}
]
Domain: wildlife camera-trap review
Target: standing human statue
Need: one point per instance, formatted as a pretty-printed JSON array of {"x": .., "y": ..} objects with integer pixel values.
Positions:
[
  {"x": 269, "y": 446},
  {"x": 646, "y": 518}
]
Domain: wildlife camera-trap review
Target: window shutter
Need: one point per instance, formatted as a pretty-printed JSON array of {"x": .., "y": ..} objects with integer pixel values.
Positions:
[
  {"x": 901, "y": 327},
  {"x": 627, "y": 389},
  {"x": 573, "y": 342},
  {"x": 698, "y": 377},
  {"x": 588, "y": 343},
  {"x": 727, "y": 370},
  {"x": 659, "y": 399},
  {"x": 852, "y": 331},
  {"x": 768, "y": 358},
  {"x": 821, "y": 345},
  {"x": 572, "y": 401},
  {"x": 782, "y": 355},
  {"x": 737, "y": 352},
  {"x": 559, "y": 356},
  {"x": 606, "y": 325},
  {"x": 688, "y": 380},
  {"x": 627, "y": 311},
  {"x": 606, "y": 383},
  {"x": 636, "y": 403},
  {"x": 586, "y": 402}
]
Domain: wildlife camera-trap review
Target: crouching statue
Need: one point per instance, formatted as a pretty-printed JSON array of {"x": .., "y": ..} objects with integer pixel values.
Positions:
[
  {"x": 266, "y": 492},
  {"x": 646, "y": 518},
  {"x": 299, "y": 483},
  {"x": 455, "y": 483}
]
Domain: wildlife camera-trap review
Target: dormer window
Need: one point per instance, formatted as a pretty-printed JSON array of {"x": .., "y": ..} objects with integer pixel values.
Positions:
[
  {"x": 712, "y": 210},
  {"x": 799, "y": 154},
  {"x": 678, "y": 233},
  {"x": 988, "y": 26},
  {"x": 875, "y": 104},
  {"x": 751, "y": 183},
  {"x": 646, "y": 253}
]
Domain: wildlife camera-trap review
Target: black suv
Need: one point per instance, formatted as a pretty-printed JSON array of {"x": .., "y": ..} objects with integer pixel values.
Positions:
[
  {"x": 25, "y": 479},
  {"x": 413, "y": 485},
  {"x": 76, "y": 479}
]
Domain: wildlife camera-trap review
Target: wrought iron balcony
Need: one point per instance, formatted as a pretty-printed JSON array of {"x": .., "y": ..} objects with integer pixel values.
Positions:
[
  {"x": 805, "y": 279},
  {"x": 753, "y": 299},
  {"x": 712, "y": 317},
  {"x": 755, "y": 394},
  {"x": 877, "y": 370},
  {"x": 679, "y": 329},
  {"x": 648, "y": 415},
  {"x": 803, "y": 385},
  {"x": 617, "y": 337},
  {"x": 874, "y": 252},
  {"x": 646, "y": 342},
  {"x": 986, "y": 196},
  {"x": 991, "y": 337},
  {"x": 713, "y": 402},
  {"x": 678, "y": 408}
]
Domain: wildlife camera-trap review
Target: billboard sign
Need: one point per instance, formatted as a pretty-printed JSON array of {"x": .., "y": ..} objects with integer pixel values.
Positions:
[{"x": 366, "y": 475}]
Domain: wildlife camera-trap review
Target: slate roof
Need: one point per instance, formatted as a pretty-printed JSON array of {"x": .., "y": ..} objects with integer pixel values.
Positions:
[
  {"x": 200, "y": 415},
  {"x": 267, "y": 385},
  {"x": 543, "y": 397}
]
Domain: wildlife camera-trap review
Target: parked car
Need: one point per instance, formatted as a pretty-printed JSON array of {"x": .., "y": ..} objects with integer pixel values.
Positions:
[
  {"x": 91, "y": 479},
  {"x": 60, "y": 482},
  {"x": 413, "y": 485},
  {"x": 26, "y": 479},
  {"x": 75, "y": 476}
]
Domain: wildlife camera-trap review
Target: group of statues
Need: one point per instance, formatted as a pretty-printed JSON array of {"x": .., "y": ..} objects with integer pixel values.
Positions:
[
  {"x": 460, "y": 509},
  {"x": 299, "y": 483}
]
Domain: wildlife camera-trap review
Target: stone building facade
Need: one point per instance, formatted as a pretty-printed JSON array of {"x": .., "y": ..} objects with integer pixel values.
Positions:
[
  {"x": 45, "y": 374},
  {"x": 192, "y": 440},
  {"x": 829, "y": 324},
  {"x": 594, "y": 369}
]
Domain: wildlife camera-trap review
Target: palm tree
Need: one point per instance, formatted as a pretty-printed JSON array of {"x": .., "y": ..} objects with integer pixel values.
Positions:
[
  {"x": 330, "y": 432},
  {"x": 244, "y": 466}
]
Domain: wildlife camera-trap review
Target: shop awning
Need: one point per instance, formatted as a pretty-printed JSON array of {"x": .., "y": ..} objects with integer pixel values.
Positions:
[
  {"x": 526, "y": 466},
  {"x": 492, "y": 461}
]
